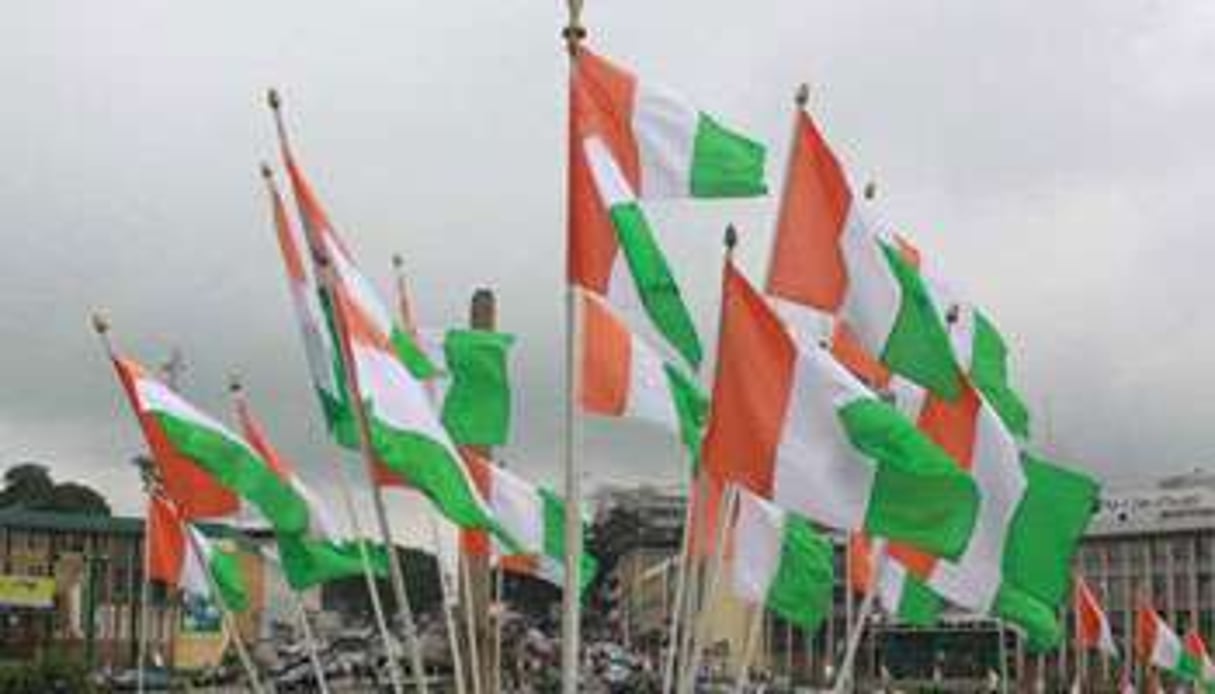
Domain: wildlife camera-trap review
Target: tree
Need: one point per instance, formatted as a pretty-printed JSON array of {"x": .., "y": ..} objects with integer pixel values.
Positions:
[
  {"x": 30, "y": 486},
  {"x": 71, "y": 497}
]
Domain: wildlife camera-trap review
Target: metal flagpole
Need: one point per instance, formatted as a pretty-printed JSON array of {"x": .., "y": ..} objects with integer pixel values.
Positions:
[
  {"x": 344, "y": 489},
  {"x": 844, "y": 677},
  {"x": 310, "y": 642},
  {"x": 694, "y": 588},
  {"x": 448, "y": 602},
  {"x": 498, "y": 613},
  {"x": 674, "y": 629},
  {"x": 687, "y": 683},
  {"x": 471, "y": 625},
  {"x": 328, "y": 284},
  {"x": 571, "y": 604},
  {"x": 757, "y": 620}
]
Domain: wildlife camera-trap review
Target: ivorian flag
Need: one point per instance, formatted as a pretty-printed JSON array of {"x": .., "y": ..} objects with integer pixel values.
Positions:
[
  {"x": 1157, "y": 644},
  {"x": 473, "y": 390},
  {"x": 640, "y": 277},
  {"x": 406, "y": 433},
  {"x": 179, "y": 556},
  {"x": 182, "y": 432},
  {"x": 325, "y": 551},
  {"x": 778, "y": 560},
  {"x": 796, "y": 427},
  {"x": 1197, "y": 648},
  {"x": 316, "y": 326},
  {"x": 830, "y": 260},
  {"x": 621, "y": 375},
  {"x": 534, "y": 517},
  {"x": 902, "y": 596},
  {"x": 1093, "y": 630}
]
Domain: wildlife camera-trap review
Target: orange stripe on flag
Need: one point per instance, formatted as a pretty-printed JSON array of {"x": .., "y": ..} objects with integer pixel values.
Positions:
[
  {"x": 607, "y": 354},
  {"x": 476, "y": 542},
  {"x": 166, "y": 538}
]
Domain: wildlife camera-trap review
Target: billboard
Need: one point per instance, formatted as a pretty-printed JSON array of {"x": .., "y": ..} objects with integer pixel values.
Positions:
[{"x": 33, "y": 592}]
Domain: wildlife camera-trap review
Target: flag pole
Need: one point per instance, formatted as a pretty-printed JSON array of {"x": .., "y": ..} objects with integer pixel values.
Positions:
[
  {"x": 344, "y": 489},
  {"x": 445, "y": 597},
  {"x": 310, "y": 642},
  {"x": 675, "y": 628},
  {"x": 101, "y": 325},
  {"x": 844, "y": 677},
  {"x": 687, "y": 683},
  {"x": 327, "y": 283},
  {"x": 571, "y": 605},
  {"x": 227, "y": 617},
  {"x": 470, "y": 624},
  {"x": 757, "y": 620}
]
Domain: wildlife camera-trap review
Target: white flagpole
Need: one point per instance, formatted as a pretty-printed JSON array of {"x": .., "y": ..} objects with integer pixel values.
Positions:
[
  {"x": 327, "y": 282},
  {"x": 687, "y": 683},
  {"x": 226, "y": 614},
  {"x": 470, "y": 622},
  {"x": 310, "y": 642},
  {"x": 447, "y": 600},
  {"x": 844, "y": 677},
  {"x": 753, "y": 632},
  {"x": 571, "y": 604},
  {"x": 675, "y": 627}
]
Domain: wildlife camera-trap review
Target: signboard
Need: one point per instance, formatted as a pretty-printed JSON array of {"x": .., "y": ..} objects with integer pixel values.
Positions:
[
  {"x": 200, "y": 615},
  {"x": 1155, "y": 511},
  {"x": 34, "y": 592}
]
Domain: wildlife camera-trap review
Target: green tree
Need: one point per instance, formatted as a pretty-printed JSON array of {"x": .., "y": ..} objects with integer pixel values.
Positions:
[{"x": 30, "y": 486}]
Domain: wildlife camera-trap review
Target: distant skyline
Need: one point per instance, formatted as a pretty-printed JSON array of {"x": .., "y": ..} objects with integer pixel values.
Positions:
[{"x": 1058, "y": 165}]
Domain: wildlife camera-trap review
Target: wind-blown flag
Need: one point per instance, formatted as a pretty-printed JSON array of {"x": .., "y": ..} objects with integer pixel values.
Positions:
[
  {"x": 179, "y": 555},
  {"x": 324, "y": 552},
  {"x": 829, "y": 260},
  {"x": 796, "y": 427},
  {"x": 473, "y": 391},
  {"x": 182, "y": 431},
  {"x": 780, "y": 561},
  {"x": 903, "y": 596},
  {"x": 1197, "y": 648},
  {"x": 621, "y": 375},
  {"x": 1157, "y": 644},
  {"x": 1093, "y": 630},
  {"x": 534, "y": 516}
]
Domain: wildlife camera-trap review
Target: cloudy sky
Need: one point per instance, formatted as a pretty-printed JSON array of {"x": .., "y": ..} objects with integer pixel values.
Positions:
[{"x": 1056, "y": 162}]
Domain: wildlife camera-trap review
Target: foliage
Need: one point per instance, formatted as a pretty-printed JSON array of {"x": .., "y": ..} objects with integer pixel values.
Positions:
[
  {"x": 30, "y": 486},
  {"x": 48, "y": 675}
]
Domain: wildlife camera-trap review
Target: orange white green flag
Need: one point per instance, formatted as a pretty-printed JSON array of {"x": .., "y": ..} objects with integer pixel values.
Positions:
[
  {"x": 1093, "y": 631},
  {"x": 180, "y": 556}
]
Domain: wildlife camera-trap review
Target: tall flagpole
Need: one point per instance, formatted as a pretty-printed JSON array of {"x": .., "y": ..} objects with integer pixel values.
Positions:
[
  {"x": 674, "y": 628},
  {"x": 344, "y": 488},
  {"x": 571, "y": 605},
  {"x": 687, "y": 681},
  {"x": 328, "y": 284},
  {"x": 844, "y": 677},
  {"x": 314, "y": 654},
  {"x": 448, "y": 601}
]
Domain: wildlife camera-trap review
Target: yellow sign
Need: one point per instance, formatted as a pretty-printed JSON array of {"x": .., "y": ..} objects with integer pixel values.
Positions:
[{"x": 27, "y": 591}]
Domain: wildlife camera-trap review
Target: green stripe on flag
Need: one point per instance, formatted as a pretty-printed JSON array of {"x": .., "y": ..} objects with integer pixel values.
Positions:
[
  {"x": 655, "y": 284},
  {"x": 224, "y": 568},
  {"x": 692, "y": 410},
  {"x": 918, "y": 605},
  {"x": 554, "y": 539},
  {"x": 725, "y": 164},
  {"x": 411, "y": 355},
  {"x": 918, "y": 346},
  {"x": 1042, "y": 628},
  {"x": 1046, "y": 529},
  {"x": 919, "y": 495},
  {"x": 476, "y": 410},
  {"x": 307, "y": 562},
  {"x": 989, "y": 371},
  {"x": 237, "y": 468},
  {"x": 802, "y": 589}
]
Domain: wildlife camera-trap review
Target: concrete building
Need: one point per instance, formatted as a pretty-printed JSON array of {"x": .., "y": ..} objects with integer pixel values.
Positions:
[{"x": 1158, "y": 542}]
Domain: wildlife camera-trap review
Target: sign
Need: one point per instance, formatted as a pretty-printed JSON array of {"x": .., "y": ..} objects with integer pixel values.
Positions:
[
  {"x": 1155, "y": 510},
  {"x": 27, "y": 591}
]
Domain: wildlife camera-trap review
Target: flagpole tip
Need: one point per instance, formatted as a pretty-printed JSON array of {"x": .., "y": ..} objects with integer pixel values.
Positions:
[
  {"x": 731, "y": 238},
  {"x": 100, "y": 323},
  {"x": 802, "y": 96},
  {"x": 397, "y": 262},
  {"x": 273, "y": 99},
  {"x": 267, "y": 172},
  {"x": 234, "y": 382},
  {"x": 870, "y": 190}
]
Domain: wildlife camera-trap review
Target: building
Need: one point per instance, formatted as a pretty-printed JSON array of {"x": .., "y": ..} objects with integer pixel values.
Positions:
[
  {"x": 1157, "y": 542},
  {"x": 72, "y": 583}
]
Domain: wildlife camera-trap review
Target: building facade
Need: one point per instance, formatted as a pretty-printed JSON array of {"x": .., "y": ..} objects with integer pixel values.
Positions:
[{"x": 1155, "y": 543}]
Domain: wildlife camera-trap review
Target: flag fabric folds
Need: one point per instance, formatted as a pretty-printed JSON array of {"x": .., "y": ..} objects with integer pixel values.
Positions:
[
  {"x": 1093, "y": 630},
  {"x": 779, "y": 561},
  {"x": 903, "y": 596},
  {"x": 180, "y": 556},
  {"x": 788, "y": 424},
  {"x": 473, "y": 390},
  {"x": 1157, "y": 644},
  {"x": 621, "y": 375},
  {"x": 1197, "y": 649}
]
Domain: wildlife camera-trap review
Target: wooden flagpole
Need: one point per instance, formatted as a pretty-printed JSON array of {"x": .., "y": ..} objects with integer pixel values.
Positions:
[
  {"x": 345, "y": 487},
  {"x": 571, "y": 603},
  {"x": 470, "y": 621},
  {"x": 328, "y": 284}
]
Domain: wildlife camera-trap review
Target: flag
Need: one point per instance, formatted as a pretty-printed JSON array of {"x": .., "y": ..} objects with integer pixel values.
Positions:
[
  {"x": 1197, "y": 650},
  {"x": 183, "y": 432},
  {"x": 780, "y": 561},
  {"x": 473, "y": 392},
  {"x": 669, "y": 148},
  {"x": 828, "y": 260},
  {"x": 178, "y": 555},
  {"x": 533, "y": 516},
  {"x": 649, "y": 280},
  {"x": 324, "y": 552},
  {"x": 1157, "y": 644},
  {"x": 903, "y": 596},
  {"x": 796, "y": 427},
  {"x": 621, "y": 375},
  {"x": 1092, "y": 625}
]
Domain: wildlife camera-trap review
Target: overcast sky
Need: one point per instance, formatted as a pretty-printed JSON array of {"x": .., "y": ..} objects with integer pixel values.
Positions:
[{"x": 1058, "y": 161}]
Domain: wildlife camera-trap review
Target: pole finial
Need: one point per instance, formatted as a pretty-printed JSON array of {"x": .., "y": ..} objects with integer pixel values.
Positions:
[
  {"x": 573, "y": 32},
  {"x": 267, "y": 172},
  {"x": 731, "y": 238},
  {"x": 101, "y": 324},
  {"x": 802, "y": 96},
  {"x": 870, "y": 190},
  {"x": 234, "y": 383},
  {"x": 273, "y": 99},
  {"x": 398, "y": 261}
]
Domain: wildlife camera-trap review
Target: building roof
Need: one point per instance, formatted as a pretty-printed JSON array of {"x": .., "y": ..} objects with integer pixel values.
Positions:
[{"x": 26, "y": 519}]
